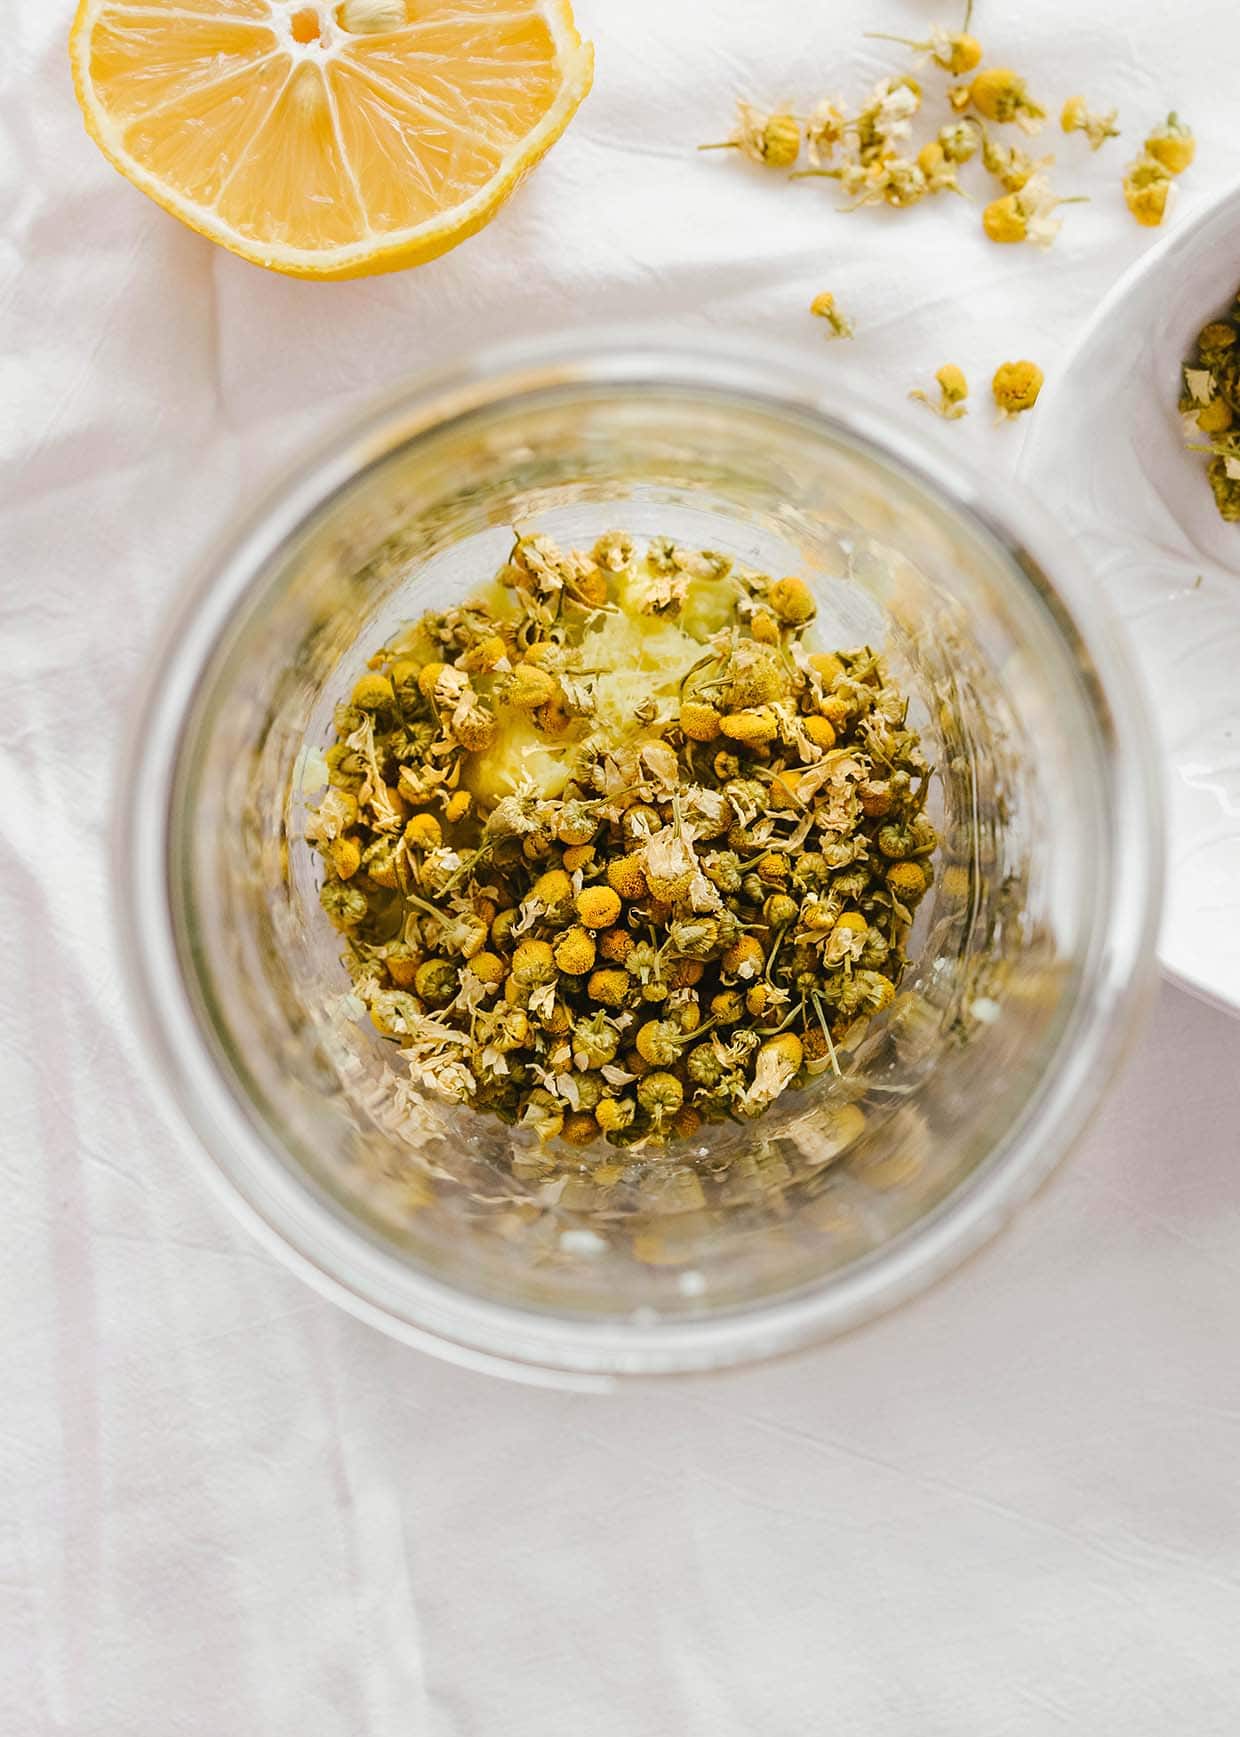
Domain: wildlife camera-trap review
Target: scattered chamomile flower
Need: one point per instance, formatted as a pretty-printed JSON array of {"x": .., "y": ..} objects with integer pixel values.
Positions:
[
  {"x": 825, "y": 131},
  {"x": 772, "y": 139},
  {"x": 1213, "y": 418},
  {"x": 959, "y": 140},
  {"x": 886, "y": 120},
  {"x": 1172, "y": 145},
  {"x": 953, "y": 391},
  {"x": 1210, "y": 404},
  {"x": 1016, "y": 386},
  {"x": 1148, "y": 189},
  {"x": 1001, "y": 95},
  {"x": 938, "y": 169},
  {"x": 1077, "y": 117},
  {"x": 954, "y": 50},
  {"x": 888, "y": 180},
  {"x": 1026, "y": 215},
  {"x": 1149, "y": 180},
  {"x": 1011, "y": 167},
  {"x": 824, "y": 307}
]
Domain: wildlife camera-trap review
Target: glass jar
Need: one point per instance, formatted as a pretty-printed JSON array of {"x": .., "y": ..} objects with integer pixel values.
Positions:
[{"x": 448, "y": 1229}]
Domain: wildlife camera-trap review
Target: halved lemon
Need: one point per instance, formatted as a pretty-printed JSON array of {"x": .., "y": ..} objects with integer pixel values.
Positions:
[{"x": 328, "y": 140}]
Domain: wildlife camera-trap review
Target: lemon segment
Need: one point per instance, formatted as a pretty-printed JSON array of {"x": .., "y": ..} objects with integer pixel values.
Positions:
[{"x": 328, "y": 140}]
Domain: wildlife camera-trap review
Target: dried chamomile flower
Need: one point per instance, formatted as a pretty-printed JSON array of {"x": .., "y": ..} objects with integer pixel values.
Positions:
[
  {"x": 1149, "y": 181},
  {"x": 824, "y": 307},
  {"x": 641, "y": 899},
  {"x": 1015, "y": 386},
  {"x": 825, "y": 131},
  {"x": 885, "y": 120},
  {"x": 1148, "y": 189},
  {"x": 890, "y": 180},
  {"x": 954, "y": 50},
  {"x": 1225, "y": 451},
  {"x": 793, "y": 601},
  {"x": 1001, "y": 95},
  {"x": 938, "y": 170},
  {"x": 773, "y": 139},
  {"x": 953, "y": 391},
  {"x": 1077, "y": 117},
  {"x": 959, "y": 140},
  {"x": 373, "y": 693},
  {"x": 878, "y": 172},
  {"x": 614, "y": 551},
  {"x": 1210, "y": 404},
  {"x": 346, "y": 906},
  {"x": 777, "y": 1062},
  {"x": 1214, "y": 417},
  {"x": 1211, "y": 379},
  {"x": 1172, "y": 145},
  {"x": 1223, "y": 473},
  {"x": 1217, "y": 342},
  {"x": 1027, "y": 215},
  {"x": 1011, "y": 167}
]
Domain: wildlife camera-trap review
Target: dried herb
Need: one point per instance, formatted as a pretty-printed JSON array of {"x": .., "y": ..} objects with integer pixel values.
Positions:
[
  {"x": 938, "y": 168},
  {"x": 609, "y": 902},
  {"x": 771, "y": 139},
  {"x": 1076, "y": 116},
  {"x": 1027, "y": 215},
  {"x": 1148, "y": 187},
  {"x": 1011, "y": 167},
  {"x": 1015, "y": 387},
  {"x": 1210, "y": 406},
  {"x": 1172, "y": 144},
  {"x": 953, "y": 391},
  {"x": 872, "y": 156},
  {"x": 955, "y": 51},
  {"x": 1001, "y": 95},
  {"x": 1149, "y": 182},
  {"x": 825, "y": 307}
]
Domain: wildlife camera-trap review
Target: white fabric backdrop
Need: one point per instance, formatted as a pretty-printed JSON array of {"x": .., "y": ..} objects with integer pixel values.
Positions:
[{"x": 1011, "y": 1510}]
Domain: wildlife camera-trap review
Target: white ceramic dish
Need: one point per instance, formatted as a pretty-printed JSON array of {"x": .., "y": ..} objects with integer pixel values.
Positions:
[{"x": 1107, "y": 455}]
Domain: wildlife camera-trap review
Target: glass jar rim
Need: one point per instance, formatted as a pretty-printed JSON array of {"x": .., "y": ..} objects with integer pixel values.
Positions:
[{"x": 338, "y": 1259}]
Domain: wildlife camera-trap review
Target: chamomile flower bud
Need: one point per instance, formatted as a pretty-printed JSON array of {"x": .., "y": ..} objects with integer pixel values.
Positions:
[
  {"x": 824, "y": 307},
  {"x": 953, "y": 391},
  {"x": 771, "y": 139},
  {"x": 1077, "y": 117},
  {"x": 1002, "y": 95},
  {"x": 1172, "y": 145},
  {"x": 1016, "y": 386}
]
